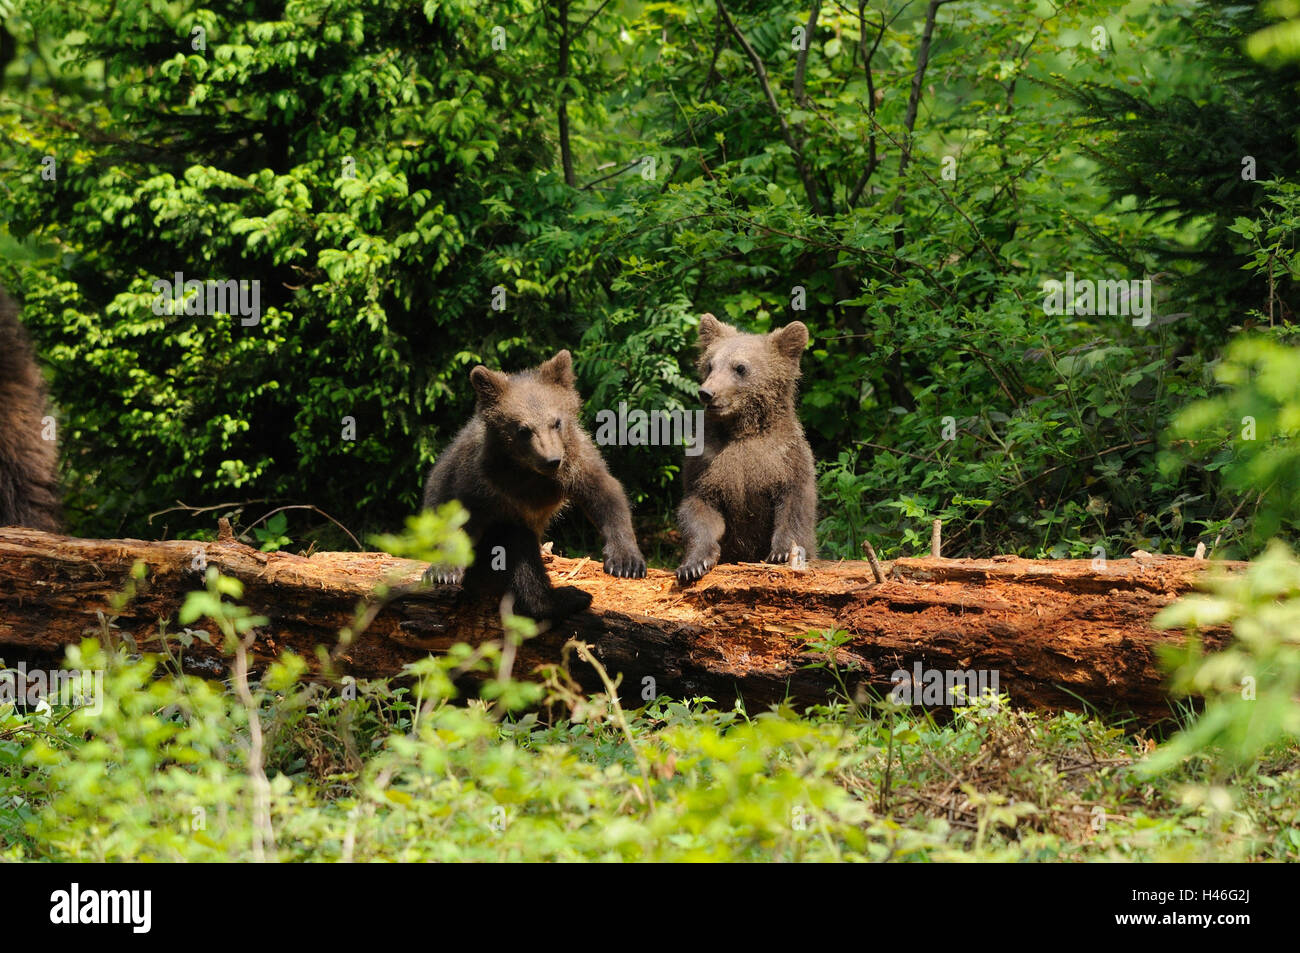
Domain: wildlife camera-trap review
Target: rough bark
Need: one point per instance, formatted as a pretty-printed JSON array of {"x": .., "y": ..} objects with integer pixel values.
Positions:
[{"x": 1058, "y": 633}]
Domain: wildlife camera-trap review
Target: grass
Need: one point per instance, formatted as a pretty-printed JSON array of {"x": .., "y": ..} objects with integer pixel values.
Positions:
[{"x": 382, "y": 771}]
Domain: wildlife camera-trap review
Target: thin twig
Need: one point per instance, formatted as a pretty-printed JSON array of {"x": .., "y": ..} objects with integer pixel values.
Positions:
[
  {"x": 875, "y": 563},
  {"x": 587, "y": 22},
  {"x": 585, "y": 653},
  {"x": 263, "y": 833},
  {"x": 639, "y": 160},
  {"x": 195, "y": 510},
  {"x": 1077, "y": 460},
  {"x": 877, "y": 446},
  {"x": 308, "y": 506}
]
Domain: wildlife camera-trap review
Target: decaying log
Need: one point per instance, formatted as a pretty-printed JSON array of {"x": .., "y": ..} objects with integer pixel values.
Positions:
[{"x": 1057, "y": 633}]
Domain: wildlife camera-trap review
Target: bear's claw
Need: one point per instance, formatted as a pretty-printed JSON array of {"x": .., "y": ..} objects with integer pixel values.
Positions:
[
  {"x": 444, "y": 575},
  {"x": 693, "y": 570},
  {"x": 626, "y": 567}
]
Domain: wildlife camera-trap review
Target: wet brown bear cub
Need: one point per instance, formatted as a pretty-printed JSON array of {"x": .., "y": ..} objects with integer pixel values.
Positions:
[
  {"x": 751, "y": 494},
  {"x": 29, "y": 487},
  {"x": 513, "y": 467}
]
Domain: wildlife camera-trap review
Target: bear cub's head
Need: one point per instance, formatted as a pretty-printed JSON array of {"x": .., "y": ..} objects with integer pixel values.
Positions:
[
  {"x": 748, "y": 374},
  {"x": 531, "y": 414}
]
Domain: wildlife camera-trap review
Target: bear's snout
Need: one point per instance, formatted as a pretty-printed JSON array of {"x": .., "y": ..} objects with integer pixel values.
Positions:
[
  {"x": 547, "y": 453},
  {"x": 716, "y": 397}
]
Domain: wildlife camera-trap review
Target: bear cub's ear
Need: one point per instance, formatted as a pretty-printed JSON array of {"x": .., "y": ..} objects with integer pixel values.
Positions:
[
  {"x": 711, "y": 329},
  {"x": 489, "y": 385},
  {"x": 791, "y": 340},
  {"x": 558, "y": 370}
]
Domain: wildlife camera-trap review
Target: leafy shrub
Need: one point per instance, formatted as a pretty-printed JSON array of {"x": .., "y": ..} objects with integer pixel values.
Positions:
[
  {"x": 1251, "y": 688},
  {"x": 383, "y": 172}
]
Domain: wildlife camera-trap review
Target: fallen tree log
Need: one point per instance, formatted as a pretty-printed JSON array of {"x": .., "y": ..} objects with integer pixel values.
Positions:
[{"x": 1054, "y": 633}]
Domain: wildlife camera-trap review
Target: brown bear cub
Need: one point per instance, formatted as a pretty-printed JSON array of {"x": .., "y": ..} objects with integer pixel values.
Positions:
[
  {"x": 29, "y": 486},
  {"x": 752, "y": 493},
  {"x": 513, "y": 467}
]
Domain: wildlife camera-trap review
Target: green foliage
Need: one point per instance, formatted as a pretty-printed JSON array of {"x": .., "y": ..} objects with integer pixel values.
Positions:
[
  {"x": 1252, "y": 687},
  {"x": 398, "y": 772},
  {"x": 233, "y": 620},
  {"x": 383, "y": 169},
  {"x": 1185, "y": 145},
  {"x": 271, "y": 536},
  {"x": 162, "y": 740},
  {"x": 1278, "y": 42},
  {"x": 432, "y": 536},
  {"x": 165, "y": 766},
  {"x": 349, "y": 156},
  {"x": 1249, "y": 432},
  {"x": 386, "y": 170}
]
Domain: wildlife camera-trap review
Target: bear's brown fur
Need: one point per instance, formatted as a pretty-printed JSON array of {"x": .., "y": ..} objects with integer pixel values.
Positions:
[
  {"x": 29, "y": 485},
  {"x": 752, "y": 493},
  {"x": 514, "y": 465}
]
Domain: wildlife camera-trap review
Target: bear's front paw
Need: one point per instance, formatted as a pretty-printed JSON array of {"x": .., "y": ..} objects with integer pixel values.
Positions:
[
  {"x": 625, "y": 565},
  {"x": 795, "y": 556},
  {"x": 567, "y": 600},
  {"x": 694, "y": 569},
  {"x": 444, "y": 575}
]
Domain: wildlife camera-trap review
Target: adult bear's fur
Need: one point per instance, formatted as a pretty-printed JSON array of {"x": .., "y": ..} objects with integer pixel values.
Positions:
[{"x": 29, "y": 486}]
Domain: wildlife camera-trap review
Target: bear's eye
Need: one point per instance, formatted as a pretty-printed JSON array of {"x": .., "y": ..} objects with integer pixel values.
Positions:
[
  {"x": 523, "y": 433},
  {"x": 558, "y": 424},
  {"x": 708, "y": 368},
  {"x": 741, "y": 370}
]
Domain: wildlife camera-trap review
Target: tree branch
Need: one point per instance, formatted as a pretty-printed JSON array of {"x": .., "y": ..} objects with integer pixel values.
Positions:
[
  {"x": 809, "y": 185},
  {"x": 913, "y": 106},
  {"x": 802, "y": 65},
  {"x": 867, "y": 57},
  {"x": 587, "y": 22},
  {"x": 566, "y": 149},
  {"x": 635, "y": 163}
]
